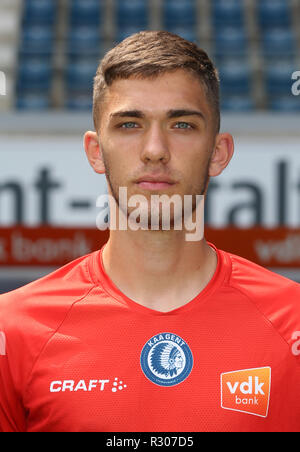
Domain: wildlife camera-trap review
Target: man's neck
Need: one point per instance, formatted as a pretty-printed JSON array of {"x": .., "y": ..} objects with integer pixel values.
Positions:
[{"x": 158, "y": 269}]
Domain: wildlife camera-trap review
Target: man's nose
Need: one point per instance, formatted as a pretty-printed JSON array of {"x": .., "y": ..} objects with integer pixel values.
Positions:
[{"x": 155, "y": 146}]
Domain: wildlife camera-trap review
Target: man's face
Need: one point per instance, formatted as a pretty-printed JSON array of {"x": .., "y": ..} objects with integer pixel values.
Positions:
[{"x": 157, "y": 135}]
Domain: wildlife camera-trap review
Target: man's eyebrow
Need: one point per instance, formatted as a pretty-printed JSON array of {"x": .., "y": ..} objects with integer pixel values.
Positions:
[
  {"x": 184, "y": 112},
  {"x": 170, "y": 114},
  {"x": 128, "y": 113}
]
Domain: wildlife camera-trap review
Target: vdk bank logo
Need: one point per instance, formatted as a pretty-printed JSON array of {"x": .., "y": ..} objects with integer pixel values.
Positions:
[
  {"x": 166, "y": 359},
  {"x": 247, "y": 390}
]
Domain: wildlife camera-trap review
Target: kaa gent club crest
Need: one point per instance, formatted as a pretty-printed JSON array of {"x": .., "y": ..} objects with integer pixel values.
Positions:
[{"x": 166, "y": 359}]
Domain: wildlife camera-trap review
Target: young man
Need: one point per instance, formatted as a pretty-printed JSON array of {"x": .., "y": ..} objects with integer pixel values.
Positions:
[{"x": 153, "y": 332}]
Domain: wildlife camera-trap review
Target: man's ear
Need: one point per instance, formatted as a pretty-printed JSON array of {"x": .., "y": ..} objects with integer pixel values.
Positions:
[
  {"x": 94, "y": 152},
  {"x": 222, "y": 154}
]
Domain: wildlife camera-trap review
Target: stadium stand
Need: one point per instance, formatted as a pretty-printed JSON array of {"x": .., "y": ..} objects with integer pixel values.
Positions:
[
  {"x": 236, "y": 84},
  {"x": 273, "y": 13},
  {"x": 41, "y": 12},
  {"x": 179, "y": 14},
  {"x": 83, "y": 43},
  {"x": 230, "y": 41},
  {"x": 278, "y": 42},
  {"x": 9, "y": 36},
  {"x": 228, "y": 13},
  {"x": 35, "y": 68},
  {"x": 62, "y": 41},
  {"x": 85, "y": 12},
  {"x": 132, "y": 13},
  {"x": 131, "y": 16},
  {"x": 79, "y": 83}
]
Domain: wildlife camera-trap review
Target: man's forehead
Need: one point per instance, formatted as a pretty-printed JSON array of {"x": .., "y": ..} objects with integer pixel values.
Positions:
[
  {"x": 171, "y": 91},
  {"x": 181, "y": 79}
]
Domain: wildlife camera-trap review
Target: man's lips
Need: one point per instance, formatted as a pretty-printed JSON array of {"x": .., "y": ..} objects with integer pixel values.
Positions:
[
  {"x": 147, "y": 185},
  {"x": 155, "y": 182}
]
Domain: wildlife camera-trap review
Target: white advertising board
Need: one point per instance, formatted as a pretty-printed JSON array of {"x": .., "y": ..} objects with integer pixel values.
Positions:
[{"x": 48, "y": 180}]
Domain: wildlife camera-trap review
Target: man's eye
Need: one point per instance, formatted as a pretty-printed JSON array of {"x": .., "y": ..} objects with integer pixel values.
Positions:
[
  {"x": 129, "y": 125},
  {"x": 183, "y": 125}
]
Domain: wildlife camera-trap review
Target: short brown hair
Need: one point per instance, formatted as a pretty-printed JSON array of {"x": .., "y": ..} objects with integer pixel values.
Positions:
[{"x": 150, "y": 53}]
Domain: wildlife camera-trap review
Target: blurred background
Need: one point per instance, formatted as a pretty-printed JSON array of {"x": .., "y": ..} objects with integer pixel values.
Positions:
[{"x": 49, "y": 53}]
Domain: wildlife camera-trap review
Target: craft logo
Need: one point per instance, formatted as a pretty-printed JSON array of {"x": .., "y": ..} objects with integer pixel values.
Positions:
[
  {"x": 166, "y": 359},
  {"x": 247, "y": 391},
  {"x": 87, "y": 385}
]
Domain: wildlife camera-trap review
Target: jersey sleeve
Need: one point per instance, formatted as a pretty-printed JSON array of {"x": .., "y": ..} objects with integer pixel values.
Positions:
[
  {"x": 29, "y": 316},
  {"x": 12, "y": 416},
  {"x": 276, "y": 297}
]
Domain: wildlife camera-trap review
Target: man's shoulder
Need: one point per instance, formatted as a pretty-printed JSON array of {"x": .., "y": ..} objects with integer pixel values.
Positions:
[
  {"x": 259, "y": 281},
  {"x": 47, "y": 297},
  {"x": 30, "y": 315},
  {"x": 276, "y": 297}
]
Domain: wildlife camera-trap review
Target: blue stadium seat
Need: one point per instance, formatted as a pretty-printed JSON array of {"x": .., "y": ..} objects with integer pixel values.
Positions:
[
  {"x": 237, "y": 103},
  {"x": 80, "y": 75},
  {"x": 84, "y": 40},
  {"x": 124, "y": 32},
  {"x": 85, "y": 12},
  {"x": 278, "y": 41},
  {"x": 34, "y": 74},
  {"x": 231, "y": 41},
  {"x": 132, "y": 13},
  {"x": 228, "y": 12},
  {"x": 41, "y": 12},
  {"x": 33, "y": 101},
  {"x": 285, "y": 104},
  {"x": 188, "y": 33},
  {"x": 179, "y": 13},
  {"x": 79, "y": 102},
  {"x": 278, "y": 78},
  {"x": 235, "y": 77},
  {"x": 37, "y": 39},
  {"x": 274, "y": 13}
]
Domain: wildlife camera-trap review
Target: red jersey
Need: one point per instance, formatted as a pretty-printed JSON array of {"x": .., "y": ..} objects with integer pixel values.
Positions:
[{"x": 76, "y": 354}]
